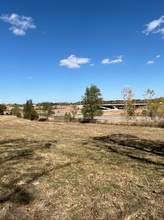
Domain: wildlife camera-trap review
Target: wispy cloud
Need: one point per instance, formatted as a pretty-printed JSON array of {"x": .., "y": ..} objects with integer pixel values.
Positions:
[
  {"x": 29, "y": 77},
  {"x": 158, "y": 56},
  {"x": 92, "y": 64},
  {"x": 150, "y": 62},
  {"x": 1, "y": 100},
  {"x": 107, "y": 61},
  {"x": 154, "y": 25},
  {"x": 19, "y": 23},
  {"x": 74, "y": 62}
]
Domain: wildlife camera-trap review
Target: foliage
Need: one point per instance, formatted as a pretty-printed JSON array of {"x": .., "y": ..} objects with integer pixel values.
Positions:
[
  {"x": 128, "y": 101},
  {"x": 130, "y": 109},
  {"x": 47, "y": 108},
  {"x": 68, "y": 117},
  {"x": 92, "y": 100},
  {"x": 18, "y": 114},
  {"x": 16, "y": 111},
  {"x": 144, "y": 113},
  {"x": 34, "y": 115},
  {"x": 29, "y": 111},
  {"x": 152, "y": 109},
  {"x": 2, "y": 109},
  {"x": 160, "y": 112},
  {"x": 156, "y": 108},
  {"x": 148, "y": 95}
]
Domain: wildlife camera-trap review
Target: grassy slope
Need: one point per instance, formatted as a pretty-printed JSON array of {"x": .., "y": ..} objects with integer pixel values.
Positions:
[{"x": 80, "y": 171}]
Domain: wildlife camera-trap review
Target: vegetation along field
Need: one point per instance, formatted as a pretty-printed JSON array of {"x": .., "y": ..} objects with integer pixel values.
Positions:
[{"x": 52, "y": 170}]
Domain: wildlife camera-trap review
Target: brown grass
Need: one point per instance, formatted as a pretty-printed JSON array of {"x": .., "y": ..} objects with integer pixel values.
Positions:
[{"x": 80, "y": 171}]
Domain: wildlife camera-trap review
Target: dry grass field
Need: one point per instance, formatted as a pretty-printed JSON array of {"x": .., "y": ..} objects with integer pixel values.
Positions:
[
  {"x": 111, "y": 113},
  {"x": 52, "y": 170}
]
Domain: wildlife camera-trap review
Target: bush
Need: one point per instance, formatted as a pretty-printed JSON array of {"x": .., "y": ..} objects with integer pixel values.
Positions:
[
  {"x": 68, "y": 117},
  {"x": 16, "y": 111},
  {"x": 2, "y": 109},
  {"x": 18, "y": 114},
  {"x": 34, "y": 115},
  {"x": 144, "y": 113}
]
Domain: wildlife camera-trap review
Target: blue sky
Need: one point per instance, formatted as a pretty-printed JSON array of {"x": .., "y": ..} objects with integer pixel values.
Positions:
[{"x": 50, "y": 50}]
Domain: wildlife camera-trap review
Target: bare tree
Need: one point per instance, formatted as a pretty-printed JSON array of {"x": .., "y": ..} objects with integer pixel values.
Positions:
[
  {"x": 148, "y": 95},
  {"x": 129, "y": 105},
  {"x": 74, "y": 111}
]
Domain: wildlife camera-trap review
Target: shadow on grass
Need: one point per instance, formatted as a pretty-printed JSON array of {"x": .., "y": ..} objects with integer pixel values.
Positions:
[
  {"x": 130, "y": 146},
  {"x": 24, "y": 141},
  {"x": 22, "y": 149},
  {"x": 148, "y": 152},
  {"x": 19, "y": 195},
  {"x": 18, "y": 151}
]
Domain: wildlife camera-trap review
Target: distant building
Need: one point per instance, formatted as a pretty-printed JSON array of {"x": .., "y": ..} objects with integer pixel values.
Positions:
[{"x": 79, "y": 106}]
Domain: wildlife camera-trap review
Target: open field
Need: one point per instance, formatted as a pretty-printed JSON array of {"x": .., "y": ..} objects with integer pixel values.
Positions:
[{"x": 62, "y": 170}]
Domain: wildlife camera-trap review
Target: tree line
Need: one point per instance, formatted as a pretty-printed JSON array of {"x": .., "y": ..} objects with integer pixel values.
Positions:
[{"x": 92, "y": 100}]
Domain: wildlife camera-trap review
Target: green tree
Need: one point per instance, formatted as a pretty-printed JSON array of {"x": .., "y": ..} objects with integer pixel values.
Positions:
[
  {"x": 2, "y": 109},
  {"x": 128, "y": 101},
  {"x": 29, "y": 111},
  {"x": 92, "y": 100},
  {"x": 47, "y": 108},
  {"x": 16, "y": 111}
]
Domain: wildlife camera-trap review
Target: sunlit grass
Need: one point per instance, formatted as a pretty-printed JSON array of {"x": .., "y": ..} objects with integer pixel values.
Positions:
[{"x": 50, "y": 170}]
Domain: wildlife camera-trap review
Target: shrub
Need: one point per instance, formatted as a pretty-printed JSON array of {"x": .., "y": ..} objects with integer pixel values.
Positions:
[
  {"x": 144, "y": 113},
  {"x": 68, "y": 117},
  {"x": 2, "y": 109},
  {"x": 34, "y": 115},
  {"x": 18, "y": 114},
  {"x": 16, "y": 111}
]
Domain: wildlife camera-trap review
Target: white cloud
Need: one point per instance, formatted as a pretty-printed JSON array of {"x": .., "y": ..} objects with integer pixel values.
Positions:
[
  {"x": 1, "y": 100},
  {"x": 19, "y": 23},
  {"x": 161, "y": 31},
  {"x": 107, "y": 61},
  {"x": 17, "y": 31},
  {"x": 92, "y": 64},
  {"x": 74, "y": 62},
  {"x": 150, "y": 62},
  {"x": 158, "y": 56},
  {"x": 153, "y": 25}
]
